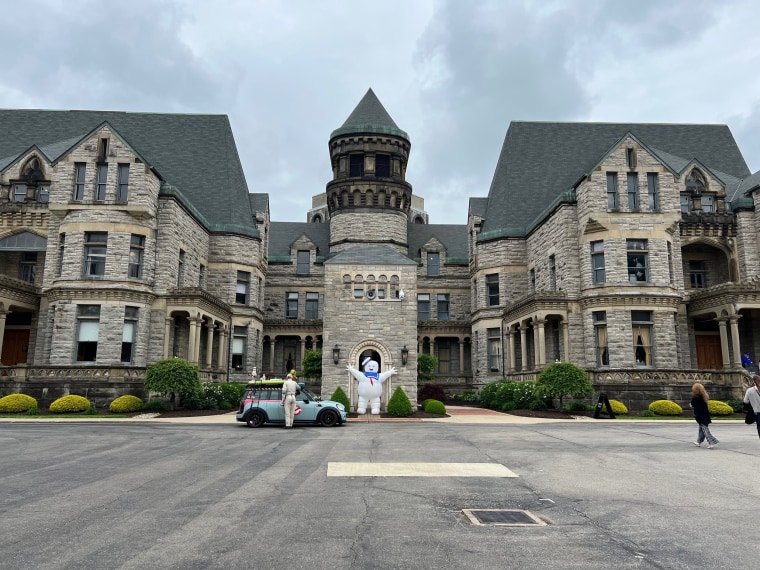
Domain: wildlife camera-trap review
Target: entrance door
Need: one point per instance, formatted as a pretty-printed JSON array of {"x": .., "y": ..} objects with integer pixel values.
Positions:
[
  {"x": 709, "y": 355},
  {"x": 15, "y": 346}
]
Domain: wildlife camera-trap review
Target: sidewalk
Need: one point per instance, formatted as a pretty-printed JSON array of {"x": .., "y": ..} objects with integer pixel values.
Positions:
[{"x": 456, "y": 415}]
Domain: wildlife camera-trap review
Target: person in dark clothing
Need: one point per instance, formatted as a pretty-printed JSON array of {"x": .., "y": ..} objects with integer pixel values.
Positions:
[{"x": 698, "y": 403}]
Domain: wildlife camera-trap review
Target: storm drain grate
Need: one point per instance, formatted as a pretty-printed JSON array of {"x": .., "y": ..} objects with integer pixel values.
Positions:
[{"x": 502, "y": 517}]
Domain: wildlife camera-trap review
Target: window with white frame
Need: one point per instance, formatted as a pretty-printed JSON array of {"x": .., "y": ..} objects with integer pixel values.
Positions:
[
  {"x": 423, "y": 306},
  {"x": 122, "y": 192},
  {"x": 291, "y": 307},
  {"x": 443, "y": 306},
  {"x": 312, "y": 305},
  {"x": 494, "y": 349},
  {"x": 136, "y": 249},
  {"x": 597, "y": 262},
  {"x": 612, "y": 191},
  {"x": 242, "y": 287},
  {"x": 128, "y": 334},
  {"x": 638, "y": 260},
  {"x": 95, "y": 247},
  {"x": 100, "y": 186},
  {"x": 80, "y": 169},
  {"x": 600, "y": 338},
  {"x": 642, "y": 337},
  {"x": 653, "y": 191},
  {"x": 88, "y": 328},
  {"x": 239, "y": 337}
]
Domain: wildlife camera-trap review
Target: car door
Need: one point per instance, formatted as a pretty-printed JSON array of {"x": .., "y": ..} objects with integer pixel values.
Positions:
[
  {"x": 306, "y": 408},
  {"x": 273, "y": 405}
]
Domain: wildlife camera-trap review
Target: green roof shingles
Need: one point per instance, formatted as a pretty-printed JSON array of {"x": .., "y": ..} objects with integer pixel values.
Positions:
[
  {"x": 194, "y": 153},
  {"x": 540, "y": 161},
  {"x": 369, "y": 116}
]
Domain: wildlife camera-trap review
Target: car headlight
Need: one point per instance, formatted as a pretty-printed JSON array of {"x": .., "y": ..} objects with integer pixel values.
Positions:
[{"x": 340, "y": 407}]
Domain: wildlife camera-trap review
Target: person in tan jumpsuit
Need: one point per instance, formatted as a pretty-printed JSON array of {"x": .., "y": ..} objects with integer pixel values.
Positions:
[{"x": 289, "y": 389}]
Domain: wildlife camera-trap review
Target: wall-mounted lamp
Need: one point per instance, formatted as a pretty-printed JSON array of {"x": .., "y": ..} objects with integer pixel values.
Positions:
[
  {"x": 404, "y": 355},
  {"x": 336, "y": 354}
]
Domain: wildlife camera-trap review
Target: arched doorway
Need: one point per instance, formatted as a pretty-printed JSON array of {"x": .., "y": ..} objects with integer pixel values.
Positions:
[{"x": 378, "y": 353}]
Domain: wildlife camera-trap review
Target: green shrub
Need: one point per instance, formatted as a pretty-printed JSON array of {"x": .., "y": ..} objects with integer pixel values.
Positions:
[
  {"x": 508, "y": 406},
  {"x": 718, "y": 408},
  {"x": 340, "y": 396},
  {"x": 91, "y": 411},
  {"x": 35, "y": 411},
  {"x": 17, "y": 404},
  {"x": 69, "y": 404},
  {"x": 126, "y": 404},
  {"x": 219, "y": 395},
  {"x": 648, "y": 414},
  {"x": 174, "y": 376},
  {"x": 665, "y": 408},
  {"x": 736, "y": 405},
  {"x": 470, "y": 397},
  {"x": 154, "y": 405},
  {"x": 576, "y": 407},
  {"x": 426, "y": 364},
  {"x": 434, "y": 407},
  {"x": 537, "y": 405},
  {"x": 431, "y": 391},
  {"x": 618, "y": 408},
  {"x": 311, "y": 365},
  {"x": 562, "y": 379},
  {"x": 488, "y": 394},
  {"x": 399, "y": 405}
]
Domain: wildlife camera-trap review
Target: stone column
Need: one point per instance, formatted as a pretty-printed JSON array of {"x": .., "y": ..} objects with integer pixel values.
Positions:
[
  {"x": 512, "y": 346},
  {"x": 271, "y": 353},
  {"x": 303, "y": 351},
  {"x": 461, "y": 356},
  {"x": 541, "y": 343},
  {"x": 566, "y": 338},
  {"x": 221, "y": 355},
  {"x": 209, "y": 342},
  {"x": 734, "y": 320},
  {"x": 2, "y": 331},
  {"x": 191, "y": 340},
  {"x": 197, "y": 347},
  {"x": 167, "y": 335},
  {"x": 724, "y": 344},
  {"x": 523, "y": 347}
]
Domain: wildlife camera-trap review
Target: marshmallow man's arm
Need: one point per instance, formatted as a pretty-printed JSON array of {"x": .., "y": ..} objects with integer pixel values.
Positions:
[
  {"x": 385, "y": 375},
  {"x": 356, "y": 373}
]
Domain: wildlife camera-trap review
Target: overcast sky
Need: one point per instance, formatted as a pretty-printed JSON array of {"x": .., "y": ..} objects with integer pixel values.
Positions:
[{"x": 451, "y": 74}]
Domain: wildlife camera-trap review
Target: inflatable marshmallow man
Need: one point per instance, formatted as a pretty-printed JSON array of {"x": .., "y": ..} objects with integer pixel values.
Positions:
[{"x": 370, "y": 385}]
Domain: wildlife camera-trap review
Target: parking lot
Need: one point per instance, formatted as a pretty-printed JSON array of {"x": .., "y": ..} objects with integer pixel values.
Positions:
[{"x": 376, "y": 495}]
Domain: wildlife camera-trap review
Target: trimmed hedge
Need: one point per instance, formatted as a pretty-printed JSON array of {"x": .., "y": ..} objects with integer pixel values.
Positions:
[
  {"x": 70, "y": 404},
  {"x": 718, "y": 408},
  {"x": 340, "y": 396},
  {"x": 126, "y": 404},
  {"x": 618, "y": 408},
  {"x": 432, "y": 406},
  {"x": 399, "y": 405},
  {"x": 17, "y": 404},
  {"x": 665, "y": 408}
]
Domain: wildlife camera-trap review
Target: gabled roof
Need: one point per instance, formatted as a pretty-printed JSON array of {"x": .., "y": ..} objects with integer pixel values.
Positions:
[
  {"x": 453, "y": 237},
  {"x": 541, "y": 161},
  {"x": 370, "y": 255},
  {"x": 195, "y": 154},
  {"x": 283, "y": 234},
  {"x": 369, "y": 116}
]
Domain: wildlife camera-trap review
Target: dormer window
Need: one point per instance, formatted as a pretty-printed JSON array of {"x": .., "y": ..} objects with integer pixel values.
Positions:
[
  {"x": 102, "y": 149},
  {"x": 630, "y": 157}
]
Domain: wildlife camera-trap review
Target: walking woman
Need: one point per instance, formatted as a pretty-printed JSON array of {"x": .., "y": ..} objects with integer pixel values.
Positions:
[
  {"x": 752, "y": 397},
  {"x": 698, "y": 403}
]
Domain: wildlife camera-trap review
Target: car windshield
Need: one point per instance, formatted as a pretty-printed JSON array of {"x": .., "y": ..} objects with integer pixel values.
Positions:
[{"x": 305, "y": 394}]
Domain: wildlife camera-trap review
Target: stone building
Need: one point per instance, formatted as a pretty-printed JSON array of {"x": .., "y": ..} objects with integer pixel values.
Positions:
[{"x": 628, "y": 249}]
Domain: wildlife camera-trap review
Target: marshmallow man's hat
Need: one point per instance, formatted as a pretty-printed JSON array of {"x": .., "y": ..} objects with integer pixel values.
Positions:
[{"x": 364, "y": 362}]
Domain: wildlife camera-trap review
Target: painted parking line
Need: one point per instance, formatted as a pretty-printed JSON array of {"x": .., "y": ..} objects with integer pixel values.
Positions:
[{"x": 337, "y": 469}]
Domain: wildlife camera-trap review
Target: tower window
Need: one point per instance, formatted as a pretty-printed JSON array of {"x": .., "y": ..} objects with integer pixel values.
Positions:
[
  {"x": 383, "y": 166},
  {"x": 356, "y": 165}
]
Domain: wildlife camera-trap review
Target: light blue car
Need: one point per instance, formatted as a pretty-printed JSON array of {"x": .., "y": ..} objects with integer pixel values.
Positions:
[{"x": 262, "y": 404}]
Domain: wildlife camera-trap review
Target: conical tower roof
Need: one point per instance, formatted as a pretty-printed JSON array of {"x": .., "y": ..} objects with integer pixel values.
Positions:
[{"x": 369, "y": 116}]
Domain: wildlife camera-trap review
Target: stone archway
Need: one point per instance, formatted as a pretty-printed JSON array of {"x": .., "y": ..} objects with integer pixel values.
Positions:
[{"x": 370, "y": 347}]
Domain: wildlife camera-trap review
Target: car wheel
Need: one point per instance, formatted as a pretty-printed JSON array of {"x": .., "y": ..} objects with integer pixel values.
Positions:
[
  {"x": 328, "y": 418},
  {"x": 255, "y": 419}
]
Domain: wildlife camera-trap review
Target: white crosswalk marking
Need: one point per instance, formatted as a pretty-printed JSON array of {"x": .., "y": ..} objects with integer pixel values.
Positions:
[{"x": 337, "y": 469}]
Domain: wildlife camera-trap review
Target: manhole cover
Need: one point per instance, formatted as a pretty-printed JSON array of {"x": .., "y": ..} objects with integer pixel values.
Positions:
[{"x": 502, "y": 517}]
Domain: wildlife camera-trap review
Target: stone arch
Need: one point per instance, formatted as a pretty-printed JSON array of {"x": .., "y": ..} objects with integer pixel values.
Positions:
[{"x": 386, "y": 361}]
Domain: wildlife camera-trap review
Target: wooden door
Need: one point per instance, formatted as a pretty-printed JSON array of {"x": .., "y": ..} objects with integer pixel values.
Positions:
[
  {"x": 709, "y": 355},
  {"x": 15, "y": 347}
]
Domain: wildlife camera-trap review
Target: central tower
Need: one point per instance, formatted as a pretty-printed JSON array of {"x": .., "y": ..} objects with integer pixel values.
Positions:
[{"x": 368, "y": 199}]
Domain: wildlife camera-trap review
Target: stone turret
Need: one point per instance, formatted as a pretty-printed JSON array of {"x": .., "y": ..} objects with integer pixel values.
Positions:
[{"x": 368, "y": 199}]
